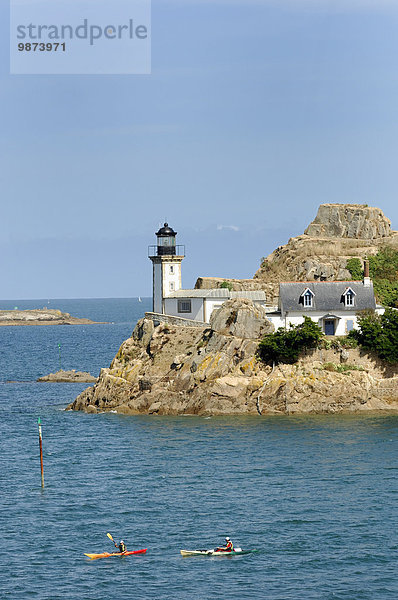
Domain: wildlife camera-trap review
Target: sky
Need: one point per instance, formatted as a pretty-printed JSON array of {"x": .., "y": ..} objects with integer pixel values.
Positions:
[{"x": 256, "y": 112}]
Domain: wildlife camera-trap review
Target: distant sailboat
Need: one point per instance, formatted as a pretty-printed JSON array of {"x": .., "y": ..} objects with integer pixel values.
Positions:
[{"x": 139, "y": 299}]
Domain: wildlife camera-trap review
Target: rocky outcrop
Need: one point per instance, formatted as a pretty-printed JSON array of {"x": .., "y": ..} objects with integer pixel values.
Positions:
[
  {"x": 43, "y": 316},
  {"x": 69, "y": 377},
  {"x": 181, "y": 370},
  {"x": 355, "y": 221},
  {"x": 339, "y": 232},
  {"x": 242, "y": 319}
]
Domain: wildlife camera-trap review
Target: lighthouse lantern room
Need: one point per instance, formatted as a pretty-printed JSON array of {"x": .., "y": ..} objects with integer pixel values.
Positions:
[{"x": 166, "y": 259}]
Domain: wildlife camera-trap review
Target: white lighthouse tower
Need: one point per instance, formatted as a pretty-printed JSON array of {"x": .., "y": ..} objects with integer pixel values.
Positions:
[{"x": 166, "y": 258}]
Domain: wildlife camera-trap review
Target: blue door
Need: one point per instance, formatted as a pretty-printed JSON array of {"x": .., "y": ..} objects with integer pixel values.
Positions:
[{"x": 329, "y": 327}]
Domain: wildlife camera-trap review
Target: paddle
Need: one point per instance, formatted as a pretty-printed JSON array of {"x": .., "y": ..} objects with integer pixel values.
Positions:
[{"x": 111, "y": 538}]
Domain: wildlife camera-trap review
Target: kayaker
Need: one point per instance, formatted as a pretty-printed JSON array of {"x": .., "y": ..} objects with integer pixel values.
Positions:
[
  {"x": 121, "y": 546},
  {"x": 227, "y": 548}
]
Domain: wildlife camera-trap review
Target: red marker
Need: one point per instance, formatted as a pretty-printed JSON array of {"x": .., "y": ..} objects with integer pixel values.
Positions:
[{"x": 41, "y": 454}]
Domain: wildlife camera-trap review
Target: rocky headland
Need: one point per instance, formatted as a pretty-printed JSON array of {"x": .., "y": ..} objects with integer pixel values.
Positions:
[
  {"x": 174, "y": 370},
  {"x": 42, "y": 316}
]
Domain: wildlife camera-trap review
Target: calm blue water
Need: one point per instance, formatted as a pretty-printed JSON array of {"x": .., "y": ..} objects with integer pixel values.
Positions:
[{"x": 317, "y": 496}]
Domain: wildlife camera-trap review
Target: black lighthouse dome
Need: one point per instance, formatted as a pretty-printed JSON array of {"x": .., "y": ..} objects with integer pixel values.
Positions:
[
  {"x": 166, "y": 231},
  {"x": 166, "y": 240}
]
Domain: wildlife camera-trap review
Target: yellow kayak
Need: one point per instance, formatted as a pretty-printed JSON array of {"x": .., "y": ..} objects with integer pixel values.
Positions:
[{"x": 109, "y": 554}]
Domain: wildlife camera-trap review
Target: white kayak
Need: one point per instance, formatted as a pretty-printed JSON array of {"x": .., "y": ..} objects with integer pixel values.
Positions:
[{"x": 235, "y": 552}]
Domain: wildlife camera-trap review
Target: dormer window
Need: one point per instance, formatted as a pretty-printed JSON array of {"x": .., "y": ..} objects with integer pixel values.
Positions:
[
  {"x": 307, "y": 298},
  {"x": 349, "y": 300},
  {"x": 349, "y": 297}
]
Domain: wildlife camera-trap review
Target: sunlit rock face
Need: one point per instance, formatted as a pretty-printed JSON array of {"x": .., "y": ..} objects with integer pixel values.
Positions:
[
  {"x": 356, "y": 221},
  {"x": 338, "y": 232},
  {"x": 173, "y": 370}
]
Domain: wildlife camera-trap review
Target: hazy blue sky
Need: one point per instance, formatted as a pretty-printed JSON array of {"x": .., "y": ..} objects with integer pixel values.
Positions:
[{"x": 255, "y": 113}]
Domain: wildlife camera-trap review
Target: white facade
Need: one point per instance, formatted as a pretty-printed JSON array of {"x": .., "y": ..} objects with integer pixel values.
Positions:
[
  {"x": 333, "y": 305},
  {"x": 166, "y": 279},
  {"x": 187, "y": 308},
  {"x": 199, "y": 304},
  {"x": 341, "y": 323}
]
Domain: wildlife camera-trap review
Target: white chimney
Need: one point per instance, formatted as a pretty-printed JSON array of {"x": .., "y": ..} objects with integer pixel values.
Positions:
[{"x": 367, "y": 282}]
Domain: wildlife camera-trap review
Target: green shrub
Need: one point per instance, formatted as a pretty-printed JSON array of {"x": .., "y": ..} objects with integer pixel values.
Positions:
[
  {"x": 379, "y": 333},
  {"x": 285, "y": 345},
  {"x": 354, "y": 266},
  {"x": 228, "y": 285},
  {"x": 384, "y": 265},
  {"x": 348, "y": 342},
  {"x": 386, "y": 292},
  {"x": 383, "y": 269},
  {"x": 330, "y": 366}
]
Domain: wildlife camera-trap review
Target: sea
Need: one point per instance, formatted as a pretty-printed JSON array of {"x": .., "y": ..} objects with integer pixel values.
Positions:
[{"x": 315, "y": 496}]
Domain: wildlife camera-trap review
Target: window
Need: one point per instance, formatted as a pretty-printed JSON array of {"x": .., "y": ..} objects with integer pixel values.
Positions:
[
  {"x": 349, "y": 299},
  {"x": 171, "y": 269},
  {"x": 167, "y": 241},
  {"x": 350, "y": 325},
  {"x": 184, "y": 306},
  {"x": 308, "y": 298},
  {"x": 171, "y": 286}
]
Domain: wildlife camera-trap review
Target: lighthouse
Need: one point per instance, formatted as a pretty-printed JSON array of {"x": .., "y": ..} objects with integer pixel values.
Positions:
[{"x": 166, "y": 259}]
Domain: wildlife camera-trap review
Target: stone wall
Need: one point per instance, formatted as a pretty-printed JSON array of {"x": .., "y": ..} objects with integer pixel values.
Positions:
[{"x": 158, "y": 318}]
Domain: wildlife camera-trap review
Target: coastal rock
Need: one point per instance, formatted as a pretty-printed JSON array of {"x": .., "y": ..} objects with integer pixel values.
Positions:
[
  {"x": 241, "y": 318},
  {"x": 357, "y": 221},
  {"x": 214, "y": 371},
  {"x": 69, "y": 377},
  {"x": 43, "y": 316}
]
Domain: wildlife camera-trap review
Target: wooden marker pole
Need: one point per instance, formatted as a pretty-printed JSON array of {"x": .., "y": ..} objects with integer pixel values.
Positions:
[{"x": 41, "y": 454}]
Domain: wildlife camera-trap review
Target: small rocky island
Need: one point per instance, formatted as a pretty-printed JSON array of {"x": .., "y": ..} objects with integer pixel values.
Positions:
[
  {"x": 69, "y": 377},
  {"x": 173, "y": 367},
  {"x": 42, "y": 316},
  {"x": 175, "y": 370}
]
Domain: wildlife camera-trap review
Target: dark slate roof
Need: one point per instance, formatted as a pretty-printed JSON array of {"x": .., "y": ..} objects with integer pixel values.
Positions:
[{"x": 328, "y": 296}]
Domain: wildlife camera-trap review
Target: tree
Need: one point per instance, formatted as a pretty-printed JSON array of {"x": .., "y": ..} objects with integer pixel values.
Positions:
[{"x": 384, "y": 265}]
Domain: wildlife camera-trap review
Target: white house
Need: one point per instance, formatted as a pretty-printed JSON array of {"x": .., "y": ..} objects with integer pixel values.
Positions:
[{"x": 332, "y": 304}]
